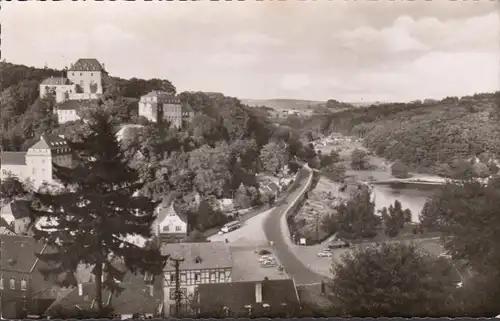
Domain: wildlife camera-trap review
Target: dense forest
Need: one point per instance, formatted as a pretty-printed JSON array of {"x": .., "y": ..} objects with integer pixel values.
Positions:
[
  {"x": 218, "y": 155},
  {"x": 427, "y": 136}
]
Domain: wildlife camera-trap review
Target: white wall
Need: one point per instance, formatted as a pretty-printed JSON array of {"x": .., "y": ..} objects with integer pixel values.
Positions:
[
  {"x": 85, "y": 78},
  {"x": 171, "y": 220},
  {"x": 19, "y": 171},
  {"x": 66, "y": 115},
  {"x": 39, "y": 163}
]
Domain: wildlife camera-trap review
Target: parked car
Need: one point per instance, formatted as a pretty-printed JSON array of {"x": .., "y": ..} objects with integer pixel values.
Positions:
[
  {"x": 324, "y": 253},
  {"x": 338, "y": 244}
]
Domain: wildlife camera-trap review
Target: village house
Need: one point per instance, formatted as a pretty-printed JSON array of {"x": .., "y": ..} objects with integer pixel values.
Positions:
[
  {"x": 141, "y": 296},
  {"x": 84, "y": 80},
  {"x": 35, "y": 165},
  {"x": 265, "y": 298},
  {"x": 159, "y": 106},
  {"x": 17, "y": 216},
  {"x": 170, "y": 225},
  {"x": 24, "y": 289},
  {"x": 203, "y": 263}
]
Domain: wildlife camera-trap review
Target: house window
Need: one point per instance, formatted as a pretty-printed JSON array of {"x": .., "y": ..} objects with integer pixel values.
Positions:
[
  {"x": 222, "y": 276},
  {"x": 197, "y": 277},
  {"x": 12, "y": 283},
  {"x": 212, "y": 276},
  {"x": 23, "y": 285},
  {"x": 166, "y": 228},
  {"x": 178, "y": 228},
  {"x": 34, "y": 171},
  {"x": 91, "y": 73},
  {"x": 43, "y": 161},
  {"x": 172, "y": 277},
  {"x": 183, "y": 277},
  {"x": 1, "y": 282},
  {"x": 81, "y": 74},
  {"x": 72, "y": 74}
]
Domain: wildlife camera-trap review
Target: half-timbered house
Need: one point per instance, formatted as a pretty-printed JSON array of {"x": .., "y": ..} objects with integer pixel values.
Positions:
[{"x": 203, "y": 263}]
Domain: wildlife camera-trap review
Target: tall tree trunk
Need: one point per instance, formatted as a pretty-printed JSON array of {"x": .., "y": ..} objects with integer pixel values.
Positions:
[{"x": 98, "y": 287}]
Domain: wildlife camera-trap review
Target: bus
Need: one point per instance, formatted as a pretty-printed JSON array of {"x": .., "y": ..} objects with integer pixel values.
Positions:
[{"x": 231, "y": 226}]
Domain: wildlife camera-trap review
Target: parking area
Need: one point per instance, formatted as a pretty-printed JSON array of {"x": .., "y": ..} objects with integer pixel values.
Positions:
[
  {"x": 248, "y": 265},
  {"x": 322, "y": 265}
]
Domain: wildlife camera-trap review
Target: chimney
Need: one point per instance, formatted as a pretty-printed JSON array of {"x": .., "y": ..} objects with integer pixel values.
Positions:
[
  {"x": 80, "y": 289},
  {"x": 258, "y": 292}
]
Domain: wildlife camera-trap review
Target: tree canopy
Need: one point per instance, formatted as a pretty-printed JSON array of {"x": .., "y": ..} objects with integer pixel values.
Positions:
[
  {"x": 90, "y": 218},
  {"x": 393, "y": 280},
  {"x": 467, "y": 213}
]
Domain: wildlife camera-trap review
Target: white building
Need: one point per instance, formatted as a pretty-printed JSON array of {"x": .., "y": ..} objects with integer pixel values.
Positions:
[
  {"x": 35, "y": 165},
  {"x": 17, "y": 215},
  {"x": 170, "y": 225},
  {"x": 84, "y": 80},
  {"x": 161, "y": 106},
  {"x": 68, "y": 111},
  {"x": 204, "y": 263}
]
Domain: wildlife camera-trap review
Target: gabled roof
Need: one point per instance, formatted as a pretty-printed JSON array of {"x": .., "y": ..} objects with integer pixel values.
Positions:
[
  {"x": 167, "y": 205},
  {"x": 13, "y": 158},
  {"x": 206, "y": 255},
  {"x": 86, "y": 64},
  {"x": 135, "y": 297},
  {"x": 20, "y": 209},
  {"x": 55, "y": 81},
  {"x": 18, "y": 253},
  {"x": 50, "y": 142},
  {"x": 236, "y": 295}
]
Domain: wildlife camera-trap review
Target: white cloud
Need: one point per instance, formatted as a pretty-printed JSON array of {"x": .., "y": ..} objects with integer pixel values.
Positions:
[{"x": 314, "y": 50}]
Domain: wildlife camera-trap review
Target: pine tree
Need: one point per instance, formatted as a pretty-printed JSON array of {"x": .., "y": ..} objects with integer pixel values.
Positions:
[{"x": 95, "y": 211}]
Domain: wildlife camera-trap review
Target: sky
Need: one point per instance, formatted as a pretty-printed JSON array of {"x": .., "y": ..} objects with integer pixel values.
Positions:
[{"x": 358, "y": 51}]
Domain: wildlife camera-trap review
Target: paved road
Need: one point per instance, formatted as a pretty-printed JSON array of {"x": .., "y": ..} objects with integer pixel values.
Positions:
[{"x": 282, "y": 247}]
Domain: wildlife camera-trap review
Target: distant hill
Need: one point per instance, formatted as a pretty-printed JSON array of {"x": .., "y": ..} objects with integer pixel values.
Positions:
[
  {"x": 299, "y": 104},
  {"x": 282, "y": 104}
]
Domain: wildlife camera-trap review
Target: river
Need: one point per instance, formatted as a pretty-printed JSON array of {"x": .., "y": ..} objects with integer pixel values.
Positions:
[{"x": 412, "y": 196}]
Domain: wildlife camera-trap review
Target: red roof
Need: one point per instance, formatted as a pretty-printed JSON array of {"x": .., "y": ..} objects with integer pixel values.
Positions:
[
  {"x": 87, "y": 64},
  {"x": 13, "y": 158}
]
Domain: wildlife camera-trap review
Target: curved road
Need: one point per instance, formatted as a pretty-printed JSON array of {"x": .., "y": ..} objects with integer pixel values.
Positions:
[{"x": 274, "y": 230}]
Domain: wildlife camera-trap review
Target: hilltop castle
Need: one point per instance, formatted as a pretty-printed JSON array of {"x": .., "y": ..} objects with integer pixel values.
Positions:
[{"x": 83, "y": 81}]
